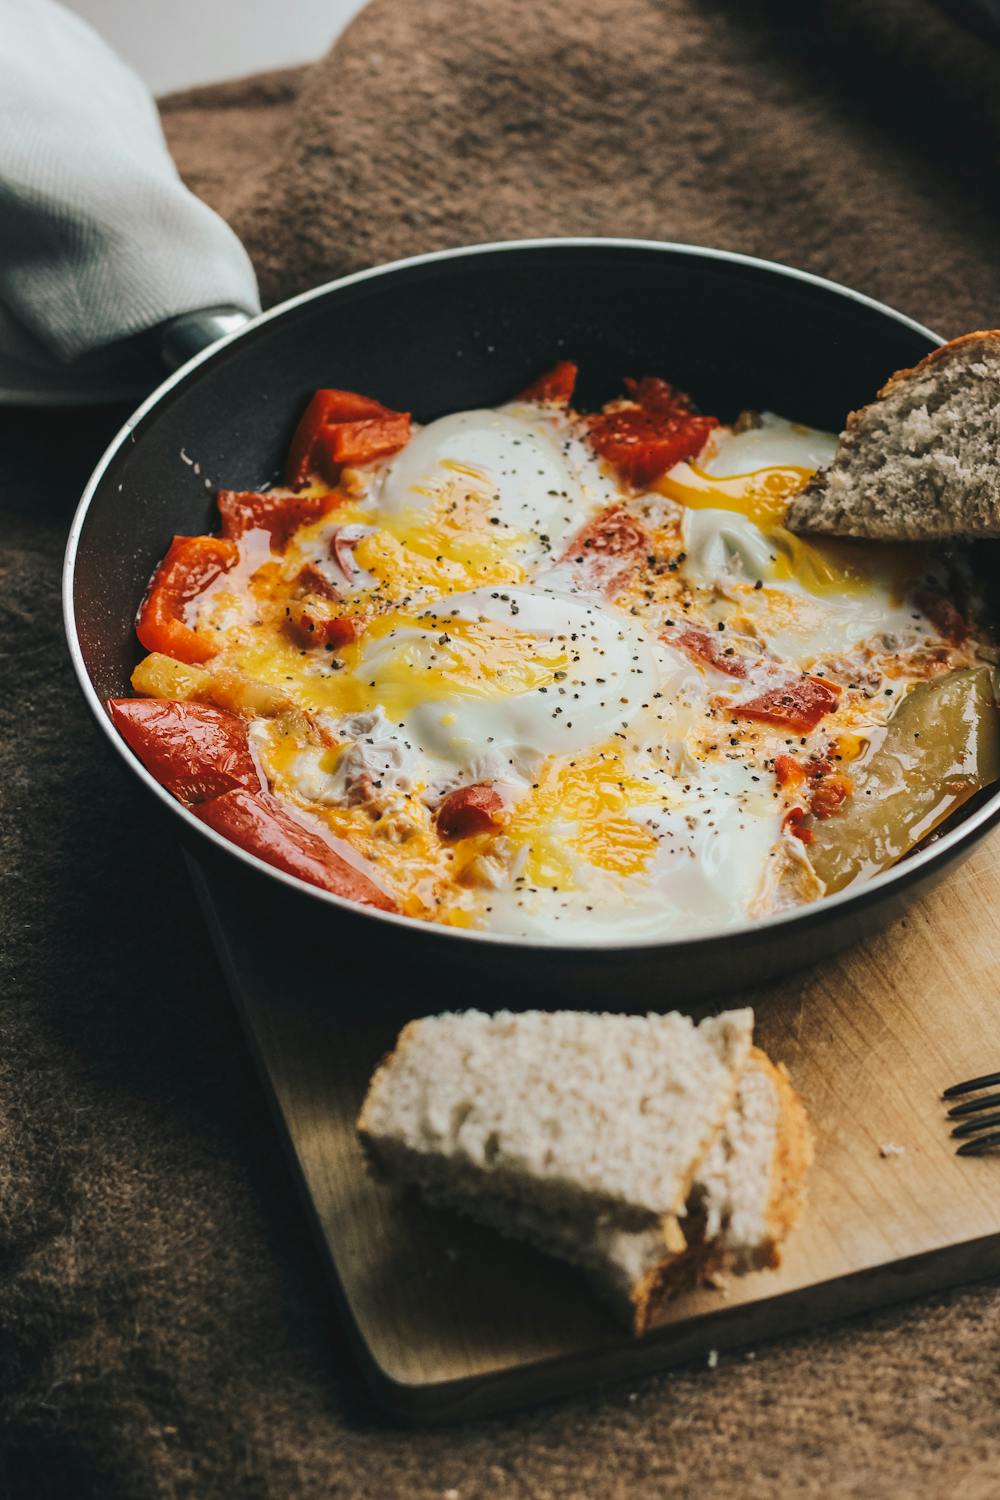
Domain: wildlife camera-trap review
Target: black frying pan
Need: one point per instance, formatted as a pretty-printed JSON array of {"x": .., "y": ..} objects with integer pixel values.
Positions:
[{"x": 469, "y": 328}]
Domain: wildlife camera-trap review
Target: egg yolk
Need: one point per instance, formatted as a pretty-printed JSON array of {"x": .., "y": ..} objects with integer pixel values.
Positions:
[
  {"x": 581, "y": 810},
  {"x": 428, "y": 656},
  {"x": 762, "y": 496},
  {"x": 820, "y": 567}
]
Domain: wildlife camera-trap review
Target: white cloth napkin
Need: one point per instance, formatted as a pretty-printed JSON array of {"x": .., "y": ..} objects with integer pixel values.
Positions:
[{"x": 99, "y": 238}]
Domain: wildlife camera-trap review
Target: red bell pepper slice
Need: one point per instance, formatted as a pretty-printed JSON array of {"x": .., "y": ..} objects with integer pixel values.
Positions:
[
  {"x": 706, "y": 646},
  {"x": 798, "y": 704},
  {"x": 261, "y": 826},
  {"x": 556, "y": 385},
  {"x": 352, "y": 443},
  {"x": 191, "y": 564},
  {"x": 280, "y": 515},
  {"x": 646, "y": 435},
  {"x": 194, "y": 750},
  {"x": 468, "y": 810},
  {"x": 314, "y": 447}
]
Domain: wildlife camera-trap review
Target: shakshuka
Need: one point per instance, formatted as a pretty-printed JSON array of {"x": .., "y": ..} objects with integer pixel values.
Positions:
[{"x": 559, "y": 675}]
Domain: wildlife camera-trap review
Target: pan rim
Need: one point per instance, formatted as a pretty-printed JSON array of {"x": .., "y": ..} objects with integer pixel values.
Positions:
[{"x": 901, "y": 875}]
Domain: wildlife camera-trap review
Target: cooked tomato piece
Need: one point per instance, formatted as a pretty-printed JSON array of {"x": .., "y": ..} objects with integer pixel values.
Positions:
[
  {"x": 798, "y": 704},
  {"x": 609, "y": 547},
  {"x": 310, "y": 580},
  {"x": 196, "y": 751},
  {"x": 613, "y": 533},
  {"x": 556, "y": 385},
  {"x": 314, "y": 623},
  {"x": 281, "y": 515},
  {"x": 654, "y": 394},
  {"x": 318, "y": 615},
  {"x": 827, "y": 789},
  {"x": 468, "y": 810},
  {"x": 707, "y": 646},
  {"x": 788, "y": 771},
  {"x": 260, "y": 825},
  {"x": 946, "y": 618},
  {"x": 191, "y": 564},
  {"x": 830, "y": 792},
  {"x": 646, "y": 435},
  {"x": 315, "y": 447},
  {"x": 794, "y": 823}
]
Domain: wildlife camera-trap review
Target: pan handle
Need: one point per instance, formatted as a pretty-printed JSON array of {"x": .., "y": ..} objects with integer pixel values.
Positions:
[{"x": 190, "y": 333}]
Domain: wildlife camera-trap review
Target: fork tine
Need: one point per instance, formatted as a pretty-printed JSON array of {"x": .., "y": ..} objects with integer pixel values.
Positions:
[
  {"x": 970, "y": 1084},
  {"x": 981, "y": 1144},
  {"x": 972, "y": 1127},
  {"x": 972, "y": 1106}
]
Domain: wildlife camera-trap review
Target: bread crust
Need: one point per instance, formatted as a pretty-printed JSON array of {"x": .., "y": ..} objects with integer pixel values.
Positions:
[
  {"x": 942, "y": 355},
  {"x": 702, "y": 1262},
  {"x": 686, "y": 1258},
  {"x": 793, "y": 1156},
  {"x": 805, "y": 509}
]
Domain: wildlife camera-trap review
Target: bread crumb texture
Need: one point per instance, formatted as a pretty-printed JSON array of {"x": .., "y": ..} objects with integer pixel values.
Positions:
[
  {"x": 649, "y": 1150},
  {"x": 920, "y": 462}
]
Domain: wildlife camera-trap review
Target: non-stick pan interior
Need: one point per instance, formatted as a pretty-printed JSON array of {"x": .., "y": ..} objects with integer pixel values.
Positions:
[
  {"x": 456, "y": 331},
  {"x": 462, "y": 331}
]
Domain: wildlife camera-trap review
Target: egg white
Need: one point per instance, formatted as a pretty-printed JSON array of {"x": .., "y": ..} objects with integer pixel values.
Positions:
[
  {"x": 773, "y": 443},
  {"x": 608, "y": 675},
  {"x": 530, "y": 481},
  {"x": 725, "y": 548}
]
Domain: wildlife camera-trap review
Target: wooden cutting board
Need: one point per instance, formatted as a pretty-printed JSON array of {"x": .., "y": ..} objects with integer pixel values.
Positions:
[{"x": 450, "y": 1321}]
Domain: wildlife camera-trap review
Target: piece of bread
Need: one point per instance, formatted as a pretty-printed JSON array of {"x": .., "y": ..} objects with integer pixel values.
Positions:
[
  {"x": 748, "y": 1193},
  {"x": 921, "y": 461},
  {"x": 566, "y": 1112},
  {"x": 591, "y": 1135}
]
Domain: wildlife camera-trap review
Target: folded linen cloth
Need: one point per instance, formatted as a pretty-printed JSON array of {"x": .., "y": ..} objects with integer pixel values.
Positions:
[{"x": 99, "y": 238}]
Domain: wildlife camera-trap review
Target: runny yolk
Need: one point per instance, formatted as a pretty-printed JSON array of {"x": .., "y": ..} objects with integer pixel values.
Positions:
[
  {"x": 762, "y": 495},
  {"x": 831, "y": 566}
]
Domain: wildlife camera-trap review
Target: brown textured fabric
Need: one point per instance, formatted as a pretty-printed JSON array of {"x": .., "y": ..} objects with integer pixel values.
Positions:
[
  {"x": 857, "y": 140},
  {"x": 165, "y": 1328}
]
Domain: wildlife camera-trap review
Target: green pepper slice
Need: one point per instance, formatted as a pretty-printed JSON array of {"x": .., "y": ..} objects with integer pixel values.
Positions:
[{"x": 940, "y": 747}]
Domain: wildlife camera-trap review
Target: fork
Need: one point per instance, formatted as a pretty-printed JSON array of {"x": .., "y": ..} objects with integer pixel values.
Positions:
[{"x": 991, "y": 1122}]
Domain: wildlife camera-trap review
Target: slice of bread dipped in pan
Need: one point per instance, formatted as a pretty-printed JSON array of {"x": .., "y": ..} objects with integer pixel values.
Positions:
[
  {"x": 614, "y": 1142},
  {"x": 922, "y": 461}
]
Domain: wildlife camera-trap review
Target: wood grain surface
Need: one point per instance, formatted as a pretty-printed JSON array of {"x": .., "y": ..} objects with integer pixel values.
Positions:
[{"x": 451, "y": 1321}]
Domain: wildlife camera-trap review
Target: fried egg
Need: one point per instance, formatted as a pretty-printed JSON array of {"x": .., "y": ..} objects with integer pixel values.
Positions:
[
  {"x": 604, "y": 705},
  {"x": 514, "y": 673},
  {"x": 525, "y": 476}
]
